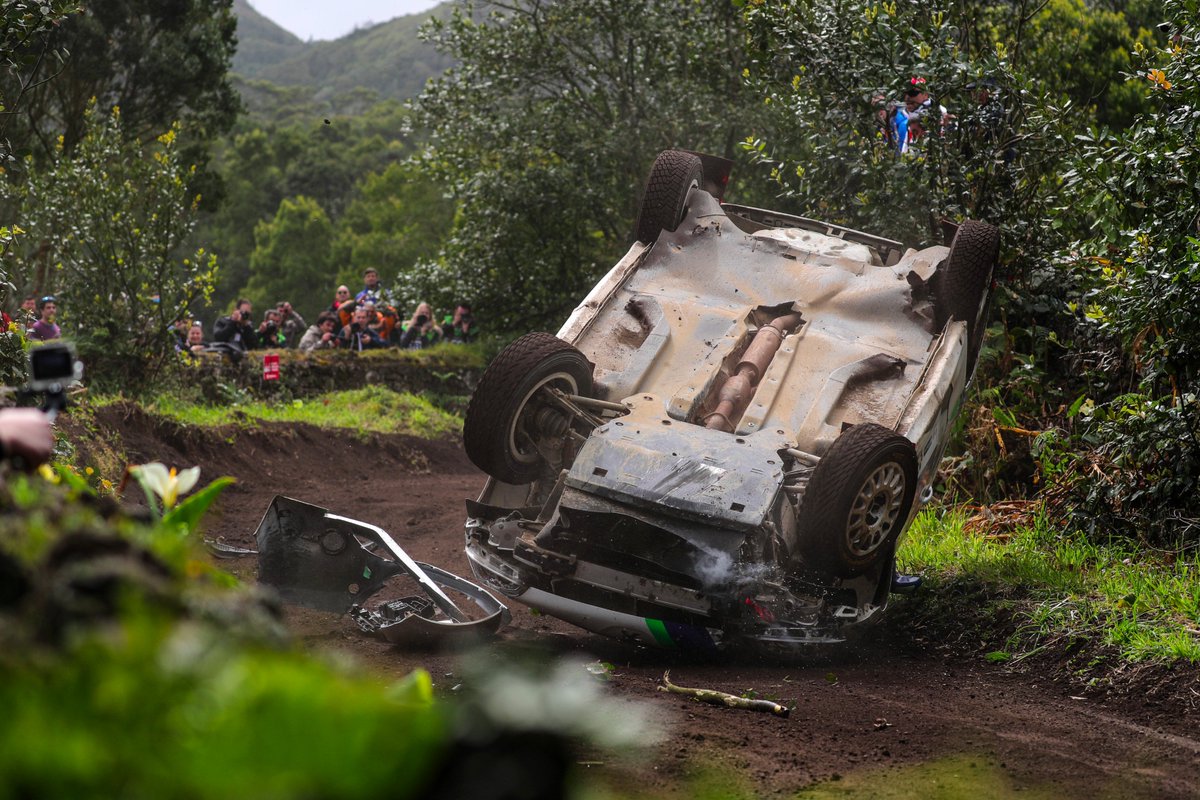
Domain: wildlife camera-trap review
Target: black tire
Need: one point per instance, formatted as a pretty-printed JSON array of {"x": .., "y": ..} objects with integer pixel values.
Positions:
[
  {"x": 500, "y": 419},
  {"x": 965, "y": 282},
  {"x": 664, "y": 201},
  {"x": 857, "y": 500}
]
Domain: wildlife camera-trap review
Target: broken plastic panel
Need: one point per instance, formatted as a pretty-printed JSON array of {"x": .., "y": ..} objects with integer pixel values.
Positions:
[{"x": 333, "y": 563}]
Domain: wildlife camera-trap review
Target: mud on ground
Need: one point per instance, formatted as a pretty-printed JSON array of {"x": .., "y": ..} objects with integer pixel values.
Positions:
[{"x": 908, "y": 712}]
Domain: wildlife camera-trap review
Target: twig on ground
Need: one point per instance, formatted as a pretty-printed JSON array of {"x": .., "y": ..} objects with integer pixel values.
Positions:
[{"x": 723, "y": 699}]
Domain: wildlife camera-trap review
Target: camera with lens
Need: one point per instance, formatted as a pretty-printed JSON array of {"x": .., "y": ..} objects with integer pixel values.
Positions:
[
  {"x": 422, "y": 319},
  {"x": 52, "y": 369}
]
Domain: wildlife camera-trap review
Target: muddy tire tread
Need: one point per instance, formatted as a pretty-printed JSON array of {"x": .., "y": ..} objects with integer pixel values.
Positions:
[
  {"x": 835, "y": 483},
  {"x": 969, "y": 269},
  {"x": 665, "y": 197},
  {"x": 503, "y": 383}
]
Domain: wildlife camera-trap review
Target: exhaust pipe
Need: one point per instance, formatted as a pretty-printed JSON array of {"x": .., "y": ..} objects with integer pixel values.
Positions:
[{"x": 737, "y": 390}]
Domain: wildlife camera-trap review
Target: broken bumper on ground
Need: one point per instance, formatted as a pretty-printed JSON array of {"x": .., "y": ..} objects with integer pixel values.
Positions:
[{"x": 332, "y": 563}]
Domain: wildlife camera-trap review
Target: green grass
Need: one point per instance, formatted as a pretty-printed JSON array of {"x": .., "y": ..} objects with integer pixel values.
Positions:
[
  {"x": 371, "y": 410},
  {"x": 1063, "y": 587}
]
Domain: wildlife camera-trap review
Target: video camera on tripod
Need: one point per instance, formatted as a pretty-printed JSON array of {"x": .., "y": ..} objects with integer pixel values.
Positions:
[
  {"x": 26, "y": 434},
  {"x": 53, "y": 368}
]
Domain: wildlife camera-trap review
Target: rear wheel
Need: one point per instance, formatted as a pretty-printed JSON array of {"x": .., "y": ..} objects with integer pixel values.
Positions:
[
  {"x": 967, "y": 276},
  {"x": 857, "y": 500},
  {"x": 513, "y": 429},
  {"x": 664, "y": 201}
]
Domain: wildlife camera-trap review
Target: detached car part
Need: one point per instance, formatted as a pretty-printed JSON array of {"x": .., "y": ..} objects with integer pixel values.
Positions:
[
  {"x": 728, "y": 438},
  {"x": 332, "y": 563}
]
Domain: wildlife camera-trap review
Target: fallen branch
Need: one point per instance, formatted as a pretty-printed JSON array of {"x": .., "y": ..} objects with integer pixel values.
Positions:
[{"x": 722, "y": 698}]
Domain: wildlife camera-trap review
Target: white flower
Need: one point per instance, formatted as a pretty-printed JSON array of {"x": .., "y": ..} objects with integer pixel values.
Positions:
[{"x": 168, "y": 485}]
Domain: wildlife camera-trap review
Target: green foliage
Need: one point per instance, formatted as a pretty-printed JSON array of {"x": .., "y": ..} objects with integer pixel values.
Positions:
[
  {"x": 173, "y": 681},
  {"x": 1088, "y": 52},
  {"x": 1064, "y": 586},
  {"x": 293, "y": 254},
  {"x": 1139, "y": 189},
  {"x": 831, "y": 69},
  {"x": 546, "y": 130},
  {"x": 130, "y": 667},
  {"x": 27, "y": 52},
  {"x": 104, "y": 228},
  {"x": 327, "y": 162},
  {"x": 180, "y": 713},
  {"x": 160, "y": 63},
  {"x": 397, "y": 219}
]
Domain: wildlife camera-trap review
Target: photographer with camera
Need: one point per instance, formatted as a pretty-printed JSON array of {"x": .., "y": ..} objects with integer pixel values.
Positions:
[
  {"x": 461, "y": 327},
  {"x": 237, "y": 330},
  {"x": 358, "y": 335},
  {"x": 291, "y": 324},
  {"x": 323, "y": 335},
  {"x": 421, "y": 331},
  {"x": 270, "y": 331}
]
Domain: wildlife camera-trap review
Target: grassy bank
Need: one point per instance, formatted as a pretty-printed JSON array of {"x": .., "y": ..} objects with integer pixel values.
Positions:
[
  {"x": 369, "y": 410},
  {"x": 1060, "y": 589}
]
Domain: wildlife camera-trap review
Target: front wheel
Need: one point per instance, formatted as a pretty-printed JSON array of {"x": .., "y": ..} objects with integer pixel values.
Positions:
[
  {"x": 857, "y": 501},
  {"x": 512, "y": 429}
]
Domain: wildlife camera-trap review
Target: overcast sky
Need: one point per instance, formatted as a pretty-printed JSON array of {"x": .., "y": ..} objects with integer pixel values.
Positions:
[{"x": 330, "y": 19}]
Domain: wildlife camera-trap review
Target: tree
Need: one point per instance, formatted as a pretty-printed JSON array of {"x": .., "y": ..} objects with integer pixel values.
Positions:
[
  {"x": 293, "y": 258},
  {"x": 104, "y": 228},
  {"x": 1088, "y": 52},
  {"x": 398, "y": 218},
  {"x": 27, "y": 54},
  {"x": 545, "y": 132},
  {"x": 1140, "y": 190},
  {"x": 265, "y": 163},
  {"x": 159, "y": 61}
]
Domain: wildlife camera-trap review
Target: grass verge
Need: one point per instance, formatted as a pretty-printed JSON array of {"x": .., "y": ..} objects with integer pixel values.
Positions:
[
  {"x": 374, "y": 409},
  {"x": 1061, "y": 589}
]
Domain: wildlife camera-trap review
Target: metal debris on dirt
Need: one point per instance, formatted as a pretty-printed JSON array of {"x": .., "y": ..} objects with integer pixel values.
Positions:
[
  {"x": 716, "y": 698},
  {"x": 881, "y": 724}
]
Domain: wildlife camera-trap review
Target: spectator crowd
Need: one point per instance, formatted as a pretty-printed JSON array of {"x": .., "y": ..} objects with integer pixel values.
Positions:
[{"x": 367, "y": 320}]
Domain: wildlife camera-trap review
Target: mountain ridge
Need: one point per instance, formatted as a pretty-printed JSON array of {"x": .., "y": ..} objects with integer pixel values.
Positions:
[{"x": 388, "y": 58}]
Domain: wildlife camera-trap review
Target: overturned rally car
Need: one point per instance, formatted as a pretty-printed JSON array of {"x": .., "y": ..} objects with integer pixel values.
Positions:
[{"x": 727, "y": 439}]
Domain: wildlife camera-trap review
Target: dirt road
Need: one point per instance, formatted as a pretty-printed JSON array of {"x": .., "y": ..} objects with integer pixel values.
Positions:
[{"x": 890, "y": 717}]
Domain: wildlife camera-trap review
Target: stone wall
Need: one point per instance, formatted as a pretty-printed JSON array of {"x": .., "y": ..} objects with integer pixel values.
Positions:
[{"x": 442, "y": 371}]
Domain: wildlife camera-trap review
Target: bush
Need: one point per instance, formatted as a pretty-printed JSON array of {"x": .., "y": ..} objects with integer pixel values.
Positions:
[{"x": 104, "y": 230}]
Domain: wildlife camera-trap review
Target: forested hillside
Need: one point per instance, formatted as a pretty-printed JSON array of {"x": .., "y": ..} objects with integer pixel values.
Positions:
[
  {"x": 388, "y": 58},
  {"x": 261, "y": 43}
]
